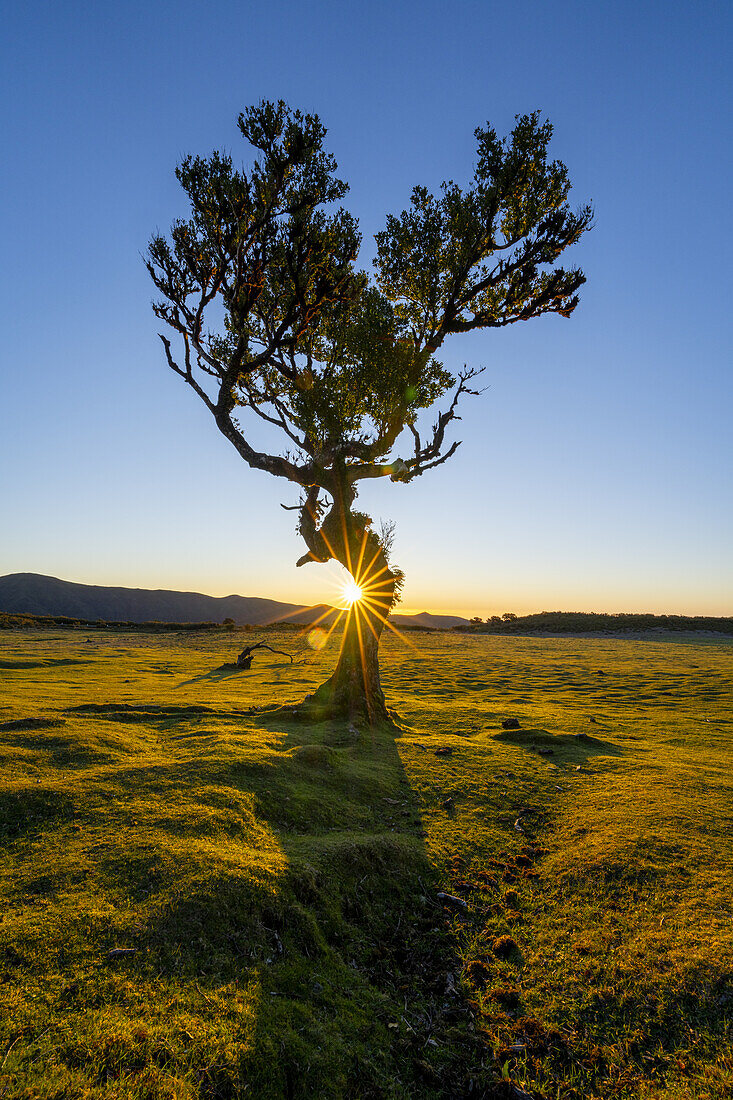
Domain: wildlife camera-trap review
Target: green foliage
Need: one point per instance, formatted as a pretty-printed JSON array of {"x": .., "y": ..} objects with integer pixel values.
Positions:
[
  {"x": 258, "y": 241},
  {"x": 342, "y": 367},
  {"x": 584, "y": 622},
  {"x": 370, "y": 382},
  {"x": 479, "y": 257}
]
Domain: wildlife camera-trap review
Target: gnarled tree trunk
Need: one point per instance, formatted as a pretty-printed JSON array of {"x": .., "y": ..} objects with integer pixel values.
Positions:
[{"x": 354, "y": 690}]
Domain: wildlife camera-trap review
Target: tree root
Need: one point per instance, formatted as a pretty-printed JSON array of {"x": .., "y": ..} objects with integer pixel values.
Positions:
[{"x": 312, "y": 710}]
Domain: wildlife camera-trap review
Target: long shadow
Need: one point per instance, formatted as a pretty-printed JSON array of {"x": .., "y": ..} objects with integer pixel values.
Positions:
[
  {"x": 230, "y": 671},
  {"x": 344, "y": 943},
  {"x": 215, "y": 675}
]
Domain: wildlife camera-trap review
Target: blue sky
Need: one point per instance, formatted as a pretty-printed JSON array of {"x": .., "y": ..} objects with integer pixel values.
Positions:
[{"x": 595, "y": 472}]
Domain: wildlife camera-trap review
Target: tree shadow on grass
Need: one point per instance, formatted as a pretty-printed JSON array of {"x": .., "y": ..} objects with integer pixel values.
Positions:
[
  {"x": 215, "y": 675},
  {"x": 231, "y": 671},
  {"x": 286, "y": 857},
  {"x": 296, "y": 867},
  {"x": 160, "y": 717}
]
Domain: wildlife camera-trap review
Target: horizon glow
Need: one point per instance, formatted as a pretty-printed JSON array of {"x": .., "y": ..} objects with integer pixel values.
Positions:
[{"x": 595, "y": 473}]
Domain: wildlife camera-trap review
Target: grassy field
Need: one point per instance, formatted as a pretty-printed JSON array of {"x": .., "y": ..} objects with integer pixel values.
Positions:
[{"x": 200, "y": 903}]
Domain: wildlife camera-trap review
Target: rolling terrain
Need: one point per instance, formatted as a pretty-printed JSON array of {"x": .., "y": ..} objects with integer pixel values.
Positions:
[
  {"x": 201, "y": 900},
  {"x": 36, "y": 594}
]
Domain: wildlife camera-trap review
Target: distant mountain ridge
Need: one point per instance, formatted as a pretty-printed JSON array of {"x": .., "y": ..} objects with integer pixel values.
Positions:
[
  {"x": 36, "y": 594},
  {"x": 40, "y": 595}
]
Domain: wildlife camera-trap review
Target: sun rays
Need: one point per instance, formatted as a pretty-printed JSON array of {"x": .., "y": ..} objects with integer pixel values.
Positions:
[
  {"x": 368, "y": 594},
  {"x": 363, "y": 602},
  {"x": 360, "y": 608}
]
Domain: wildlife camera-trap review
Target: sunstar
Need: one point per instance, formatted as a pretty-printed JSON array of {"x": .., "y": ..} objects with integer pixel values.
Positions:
[{"x": 352, "y": 593}]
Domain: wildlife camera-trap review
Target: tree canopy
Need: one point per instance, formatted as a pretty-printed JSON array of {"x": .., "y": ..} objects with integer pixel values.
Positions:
[{"x": 277, "y": 321}]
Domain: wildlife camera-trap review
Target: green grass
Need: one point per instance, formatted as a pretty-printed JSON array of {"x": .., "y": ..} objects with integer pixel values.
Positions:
[{"x": 278, "y": 882}]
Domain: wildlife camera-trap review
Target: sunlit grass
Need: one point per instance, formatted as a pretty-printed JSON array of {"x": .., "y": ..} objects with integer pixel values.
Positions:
[{"x": 278, "y": 881}]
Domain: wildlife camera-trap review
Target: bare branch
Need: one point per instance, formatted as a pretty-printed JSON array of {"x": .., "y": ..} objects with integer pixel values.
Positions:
[
  {"x": 284, "y": 418},
  {"x": 415, "y": 471},
  {"x": 187, "y": 373},
  {"x": 416, "y": 437},
  {"x": 431, "y": 451}
]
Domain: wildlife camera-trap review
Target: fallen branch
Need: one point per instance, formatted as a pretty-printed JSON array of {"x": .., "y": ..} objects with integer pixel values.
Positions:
[{"x": 244, "y": 660}]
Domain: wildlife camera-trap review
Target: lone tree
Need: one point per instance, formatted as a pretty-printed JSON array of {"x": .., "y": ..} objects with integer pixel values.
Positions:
[{"x": 276, "y": 321}]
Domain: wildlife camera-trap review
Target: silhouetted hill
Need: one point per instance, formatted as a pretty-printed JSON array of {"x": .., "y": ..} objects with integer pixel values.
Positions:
[
  {"x": 40, "y": 595},
  {"x": 432, "y": 622},
  {"x": 35, "y": 594}
]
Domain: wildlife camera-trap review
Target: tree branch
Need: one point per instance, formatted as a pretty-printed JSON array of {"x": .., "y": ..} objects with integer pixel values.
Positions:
[{"x": 186, "y": 374}]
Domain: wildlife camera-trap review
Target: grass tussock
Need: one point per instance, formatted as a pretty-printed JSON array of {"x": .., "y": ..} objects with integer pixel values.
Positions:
[{"x": 202, "y": 901}]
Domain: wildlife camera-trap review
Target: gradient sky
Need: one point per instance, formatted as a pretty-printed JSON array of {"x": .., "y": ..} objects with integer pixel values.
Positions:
[{"x": 595, "y": 472}]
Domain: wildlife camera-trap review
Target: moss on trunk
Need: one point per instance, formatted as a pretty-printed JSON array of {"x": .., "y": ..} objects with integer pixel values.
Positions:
[{"x": 354, "y": 689}]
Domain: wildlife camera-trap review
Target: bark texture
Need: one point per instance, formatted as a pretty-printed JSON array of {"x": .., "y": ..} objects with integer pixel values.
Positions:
[{"x": 354, "y": 690}]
